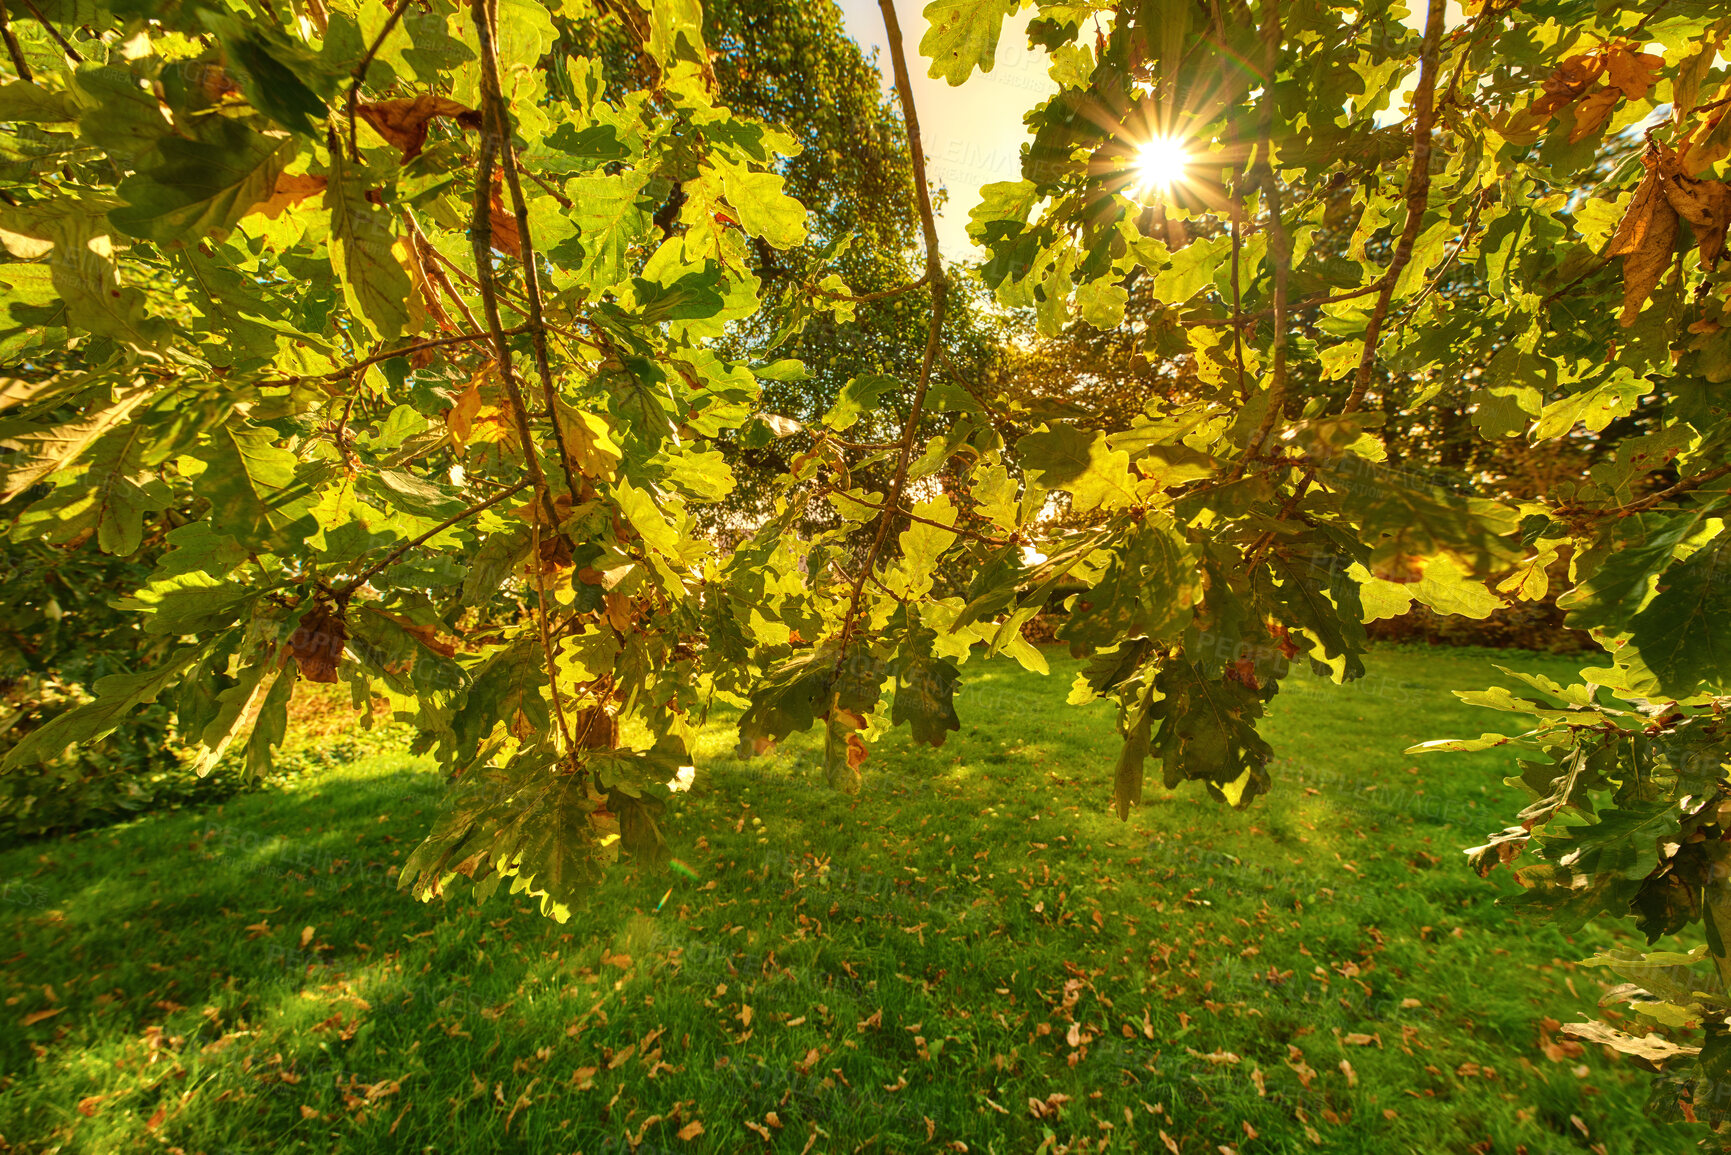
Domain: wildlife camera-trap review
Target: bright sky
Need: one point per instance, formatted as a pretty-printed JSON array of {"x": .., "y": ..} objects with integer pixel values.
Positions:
[{"x": 973, "y": 134}]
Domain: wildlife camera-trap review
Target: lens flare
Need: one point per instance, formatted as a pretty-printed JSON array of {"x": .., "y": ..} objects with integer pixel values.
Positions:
[{"x": 1160, "y": 164}]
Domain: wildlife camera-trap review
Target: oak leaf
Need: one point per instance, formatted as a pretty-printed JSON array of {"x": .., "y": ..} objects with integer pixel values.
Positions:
[
  {"x": 1645, "y": 239},
  {"x": 1593, "y": 111},
  {"x": 1633, "y": 73},
  {"x": 1564, "y": 86},
  {"x": 1705, "y": 204},
  {"x": 288, "y": 192}
]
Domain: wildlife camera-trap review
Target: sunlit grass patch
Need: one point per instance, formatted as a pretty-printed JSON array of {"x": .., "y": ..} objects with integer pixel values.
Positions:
[{"x": 973, "y": 950}]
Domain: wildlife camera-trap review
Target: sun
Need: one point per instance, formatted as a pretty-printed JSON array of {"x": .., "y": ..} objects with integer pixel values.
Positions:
[{"x": 1160, "y": 164}]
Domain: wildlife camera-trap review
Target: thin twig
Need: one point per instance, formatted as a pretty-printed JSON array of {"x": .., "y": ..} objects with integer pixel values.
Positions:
[
  {"x": 1436, "y": 278},
  {"x": 547, "y": 646},
  {"x": 934, "y": 332},
  {"x": 1664, "y": 495},
  {"x": 435, "y": 270},
  {"x": 360, "y": 73},
  {"x": 1279, "y": 244},
  {"x": 367, "y": 575},
  {"x": 1417, "y": 196},
  {"x": 19, "y": 65},
  {"x": 866, "y": 298},
  {"x": 65, "y": 44},
  {"x": 481, "y": 239},
  {"x": 458, "y": 339},
  {"x": 956, "y": 529},
  {"x": 1237, "y": 318},
  {"x": 1307, "y": 303}
]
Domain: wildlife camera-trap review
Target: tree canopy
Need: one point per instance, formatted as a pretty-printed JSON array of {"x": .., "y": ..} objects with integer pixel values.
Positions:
[{"x": 406, "y": 342}]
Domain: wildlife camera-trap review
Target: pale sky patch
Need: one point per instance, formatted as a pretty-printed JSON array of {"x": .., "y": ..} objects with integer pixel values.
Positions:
[{"x": 974, "y": 133}]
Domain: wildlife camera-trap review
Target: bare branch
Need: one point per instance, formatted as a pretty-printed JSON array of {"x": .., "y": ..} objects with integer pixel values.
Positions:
[
  {"x": 492, "y": 94},
  {"x": 481, "y": 240},
  {"x": 19, "y": 65},
  {"x": 934, "y": 332},
  {"x": 368, "y": 574},
  {"x": 1417, "y": 195}
]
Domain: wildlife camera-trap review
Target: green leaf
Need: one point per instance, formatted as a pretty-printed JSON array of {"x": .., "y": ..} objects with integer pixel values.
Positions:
[
  {"x": 201, "y": 186},
  {"x": 925, "y": 691},
  {"x": 1208, "y": 732},
  {"x": 762, "y": 208},
  {"x": 363, "y": 253},
  {"x": 1064, "y": 457},
  {"x": 31, "y": 103},
  {"x": 117, "y": 695},
  {"x": 268, "y": 66},
  {"x": 609, "y": 220},
  {"x": 961, "y": 34},
  {"x": 250, "y": 483},
  {"x": 1683, "y": 634},
  {"x": 857, "y": 398}
]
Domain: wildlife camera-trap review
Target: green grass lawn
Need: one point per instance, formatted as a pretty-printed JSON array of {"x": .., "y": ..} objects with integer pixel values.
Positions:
[{"x": 973, "y": 954}]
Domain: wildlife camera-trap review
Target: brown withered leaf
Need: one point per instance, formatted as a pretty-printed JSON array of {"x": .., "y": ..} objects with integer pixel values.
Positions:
[
  {"x": 1567, "y": 83},
  {"x": 1593, "y": 111},
  {"x": 1633, "y": 73},
  {"x": 1708, "y": 144},
  {"x": 460, "y": 417},
  {"x": 288, "y": 192},
  {"x": 1645, "y": 239},
  {"x": 403, "y": 123},
  {"x": 428, "y": 636},
  {"x": 506, "y": 238},
  {"x": 317, "y": 643},
  {"x": 857, "y": 752},
  {"x": 595, "y": 727},
  {"x": 1705, "y": 204}
]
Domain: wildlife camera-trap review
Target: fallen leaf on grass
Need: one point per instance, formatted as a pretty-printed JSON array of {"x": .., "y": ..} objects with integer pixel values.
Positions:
[
  {"x": 87, "y": 1105},
  {"x": 690, "y": 1131},
  {"x": 306, "y": 932},
  {"x": 1049, "y": 1107}
]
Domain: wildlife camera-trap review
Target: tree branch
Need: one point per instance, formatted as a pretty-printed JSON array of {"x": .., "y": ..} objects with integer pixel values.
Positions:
[
  {"x": 481, "y": 240},
  {"x": 1279, "y": 244},
  {"x": 437, "y": 342},
  {"x": 19, "y": 65},
  {"x": 1417, "y": 195},
  {"x": 866, "y": 298},
  {"x": 65, "y": 44},
  {"x": 367, "y": 574},
  {"x": 492, "y": 94},
  {"x": 934, "y": 332}
]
